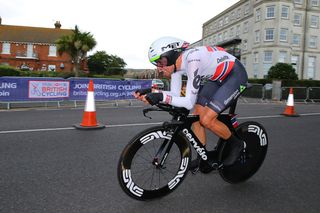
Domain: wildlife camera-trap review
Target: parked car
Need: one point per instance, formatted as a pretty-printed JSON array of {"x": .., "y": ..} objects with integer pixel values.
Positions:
[{"x": 157, "y": 83}]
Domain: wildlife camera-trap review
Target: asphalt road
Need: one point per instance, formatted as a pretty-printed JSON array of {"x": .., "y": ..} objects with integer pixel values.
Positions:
[{"x": 48, "y": 166}]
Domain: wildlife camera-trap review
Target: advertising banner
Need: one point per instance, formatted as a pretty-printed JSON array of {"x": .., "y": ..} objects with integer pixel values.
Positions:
[
  {"x": 106, "y": 89},
  {"x": 48, "y": 89},
  {"x": 56, "y": 89},
  {"x": 33, "y": 89}
]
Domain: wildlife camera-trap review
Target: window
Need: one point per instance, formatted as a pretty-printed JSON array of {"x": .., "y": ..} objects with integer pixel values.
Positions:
[
  {"x": 313, "y": 41},
  {"x": 282, "y": 56},
  {"x": 314, "y": 3},
  {"x": 296, "y": 39},
  {"x": 295, "y": 62},
  {"x": 270, "y": 12},
  {"x": 232, "y": 16},
  {"x": 246, "y": 9},
  {"x": 30, "y": 53},
  {"x": 298, "y": 1},
  {"x": 245, "y": 45},
  {"x": 255, "y": 57},
  {"x": 5, "y": 48},
  {"x": 311, "y": 67},
  {"x": 231, "y": 32},
  {"x": 226, "y": 20},
  {"x": 258, "y": 14},
  {"x": 267, "y": 57},
  {"x": 52, "y": 68},
  {"x": 269, "y": 34},
  {"x": 297, "y": 19},
  {"x": 266, "y": 68},
  {"x": 257, "y": 36},
  {"x": 244, "y": 61},
  {"x": 245, "y": 27},
  {"x": 220, "y": 23},
  {"x": 285, "y": 12},
  {"x": 238, "y": 30},
  {"x": 239, "y": 13},
  {"x": 283, "y": 34},
  {"x": 225, "y": 35},
  {"x": 255, "y": 70},
  {"x": 52, "y": 50},
  {"x": 314, "y": 21}
]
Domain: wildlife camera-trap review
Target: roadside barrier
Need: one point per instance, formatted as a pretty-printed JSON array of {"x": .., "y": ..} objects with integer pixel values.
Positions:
[
  {"x": 89, "y": 120},
  {"x": 29, "y": 90},
  {"x": 289, "y": 110},
  {"x": 21, "y": 92}
]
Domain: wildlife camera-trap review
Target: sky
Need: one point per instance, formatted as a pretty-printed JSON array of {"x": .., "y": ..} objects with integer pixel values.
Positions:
[{"x": 125, "y": 28}]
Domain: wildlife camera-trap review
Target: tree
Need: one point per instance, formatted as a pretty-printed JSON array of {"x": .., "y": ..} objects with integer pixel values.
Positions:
[
  {"x": 282, "y": 71},
  {"x": 76, "y": 45},
  {"x": 102, "y": 63}
]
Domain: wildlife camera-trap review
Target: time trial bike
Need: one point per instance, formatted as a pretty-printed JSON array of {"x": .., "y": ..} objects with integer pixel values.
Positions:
[{"x": 156, "y": 161}]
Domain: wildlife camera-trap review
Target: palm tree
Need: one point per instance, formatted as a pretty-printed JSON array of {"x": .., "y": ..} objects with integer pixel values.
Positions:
[{"x": 76, "y": 45}]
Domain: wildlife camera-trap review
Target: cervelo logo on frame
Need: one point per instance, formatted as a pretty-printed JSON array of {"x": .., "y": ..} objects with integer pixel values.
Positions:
[{"x": 200, "y": 150}]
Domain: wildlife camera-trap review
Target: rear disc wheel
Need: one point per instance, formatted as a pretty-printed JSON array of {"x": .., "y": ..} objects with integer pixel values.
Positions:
[{"x": 250, "y": 160}]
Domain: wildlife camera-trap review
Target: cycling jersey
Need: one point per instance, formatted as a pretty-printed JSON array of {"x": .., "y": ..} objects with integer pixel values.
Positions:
[{"x": 199, "y": 64}]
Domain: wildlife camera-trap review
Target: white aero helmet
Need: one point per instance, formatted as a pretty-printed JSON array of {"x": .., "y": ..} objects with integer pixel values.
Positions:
[{"x": 169, "y": 47}]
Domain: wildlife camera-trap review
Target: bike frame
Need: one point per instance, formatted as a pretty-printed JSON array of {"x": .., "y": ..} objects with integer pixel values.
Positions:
[{"x": 185, "y": 128}]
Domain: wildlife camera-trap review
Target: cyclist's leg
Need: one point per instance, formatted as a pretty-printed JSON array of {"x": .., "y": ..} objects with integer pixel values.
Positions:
[
  {"x": 227, "y": 93},
  {"x": 198, "y": 129}
]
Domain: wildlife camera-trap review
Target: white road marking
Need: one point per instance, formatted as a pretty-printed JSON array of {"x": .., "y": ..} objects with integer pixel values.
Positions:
[{"x": 138, "y": 124}]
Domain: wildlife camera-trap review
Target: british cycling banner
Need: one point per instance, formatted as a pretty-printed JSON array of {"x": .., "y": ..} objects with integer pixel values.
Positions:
[
  {"x": 55, "y": 89},
  {"x": 106, "y": 89},
  {"x": 33, "y": 89},
  {"x": 48, "y": 89}
]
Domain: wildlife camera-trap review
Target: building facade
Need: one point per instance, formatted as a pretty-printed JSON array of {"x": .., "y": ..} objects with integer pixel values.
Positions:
[
  {"x": 262, "y": 33},
  {"x": 33, "y": 48}
]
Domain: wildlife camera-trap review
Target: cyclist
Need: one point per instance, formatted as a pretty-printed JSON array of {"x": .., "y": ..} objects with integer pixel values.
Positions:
[{"x": 215, "y": 80}]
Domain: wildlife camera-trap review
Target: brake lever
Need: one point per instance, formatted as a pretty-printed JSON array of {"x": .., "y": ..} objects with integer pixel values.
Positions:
[{"x": 145, "y": 111}]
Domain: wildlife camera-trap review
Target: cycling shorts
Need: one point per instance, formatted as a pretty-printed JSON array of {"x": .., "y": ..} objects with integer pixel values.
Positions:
[{"x": 219, "y": 95}]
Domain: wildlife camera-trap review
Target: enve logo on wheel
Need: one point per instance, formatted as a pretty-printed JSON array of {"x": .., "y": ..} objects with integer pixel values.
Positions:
[
  {"x": 155, "y": 135},
  {"x": 130, "y": 184},
  {"x": 257, "y": 130},
  {"x": 183, "y": 167}
]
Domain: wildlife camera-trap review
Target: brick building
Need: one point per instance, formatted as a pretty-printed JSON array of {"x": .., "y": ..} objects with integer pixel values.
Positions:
[{"x": 33, "y": 48}]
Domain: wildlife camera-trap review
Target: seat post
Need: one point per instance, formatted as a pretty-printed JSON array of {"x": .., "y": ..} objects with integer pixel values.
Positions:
[{"x": 232, "y": 108}]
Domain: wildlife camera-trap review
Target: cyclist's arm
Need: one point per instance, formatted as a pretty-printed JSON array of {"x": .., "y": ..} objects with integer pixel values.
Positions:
[
  {"x": 192, "y": 88},
  {"x": 175, "y": 84}
]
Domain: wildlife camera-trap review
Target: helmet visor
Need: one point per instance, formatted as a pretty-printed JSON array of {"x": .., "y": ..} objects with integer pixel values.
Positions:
[{"x": 154, "y": 60}]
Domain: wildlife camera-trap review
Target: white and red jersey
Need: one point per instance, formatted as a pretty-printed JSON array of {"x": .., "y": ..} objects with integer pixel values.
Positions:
[{"x": 201, "y": 63}]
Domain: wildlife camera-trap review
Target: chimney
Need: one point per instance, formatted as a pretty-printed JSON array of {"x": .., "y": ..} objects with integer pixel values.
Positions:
[{"x": 57, "y": 25}]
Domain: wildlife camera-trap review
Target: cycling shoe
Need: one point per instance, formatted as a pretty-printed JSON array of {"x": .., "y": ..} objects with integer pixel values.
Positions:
[
  {"x": 194, "y": 165},
  {"x": 210, "y": 164}
]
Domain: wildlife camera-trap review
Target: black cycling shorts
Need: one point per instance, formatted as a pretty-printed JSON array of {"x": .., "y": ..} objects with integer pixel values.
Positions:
[{"x": 220, "y": 95}]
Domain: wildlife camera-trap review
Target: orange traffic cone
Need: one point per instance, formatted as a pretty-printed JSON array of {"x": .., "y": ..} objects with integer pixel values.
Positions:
[
  {"x": 89, "y": 120},
  {"x": 289, "y": 111}
]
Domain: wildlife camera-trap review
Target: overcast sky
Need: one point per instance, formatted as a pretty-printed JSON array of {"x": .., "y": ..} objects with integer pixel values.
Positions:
[{"x": 125, "y": 28}]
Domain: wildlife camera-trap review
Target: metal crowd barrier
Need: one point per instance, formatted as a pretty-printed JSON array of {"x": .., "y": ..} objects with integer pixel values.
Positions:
[{"x": 257, "y": 91}]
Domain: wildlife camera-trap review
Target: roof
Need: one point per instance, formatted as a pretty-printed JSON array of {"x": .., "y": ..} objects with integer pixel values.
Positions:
[{"x": 10, "y": 33}]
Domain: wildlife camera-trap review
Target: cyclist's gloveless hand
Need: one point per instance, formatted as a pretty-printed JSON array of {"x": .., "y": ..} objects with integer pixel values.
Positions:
[
  {"x": 143, "y": 91},
  {"x": 140, "y": 94},
  {"x": 154, "y": 98}
]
